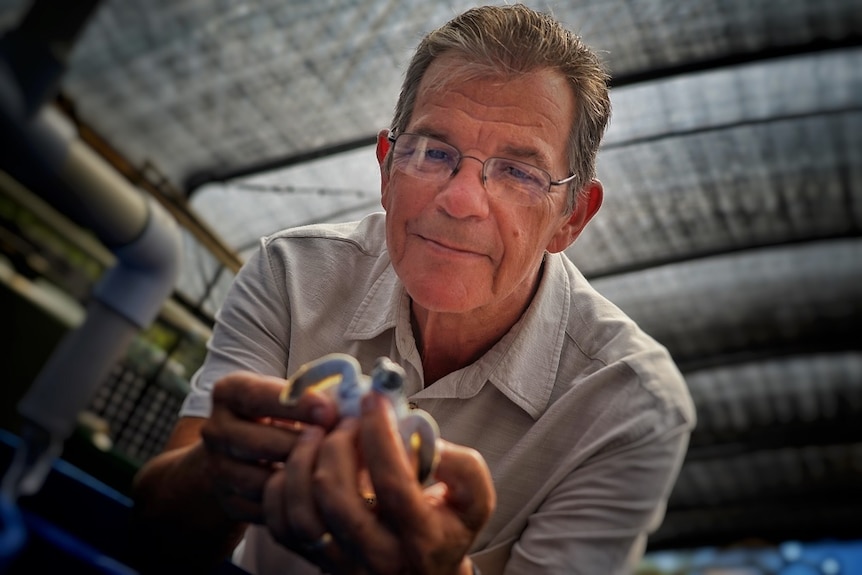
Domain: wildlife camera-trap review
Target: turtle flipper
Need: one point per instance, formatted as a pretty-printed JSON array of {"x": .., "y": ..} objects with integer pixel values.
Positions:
[
  {"x": 419, "y": 432},
  {"x": 326, "y": 374}
]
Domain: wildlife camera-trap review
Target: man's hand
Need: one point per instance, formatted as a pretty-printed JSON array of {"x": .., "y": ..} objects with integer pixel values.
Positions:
[
  {"x": 192, "y": 501},
  {"x": 249, "y": 435},
  {"x": 315, "y": 504}
]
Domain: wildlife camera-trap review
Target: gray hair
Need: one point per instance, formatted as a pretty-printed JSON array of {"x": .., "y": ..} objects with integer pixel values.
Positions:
[{"x": 508, "y": 40}]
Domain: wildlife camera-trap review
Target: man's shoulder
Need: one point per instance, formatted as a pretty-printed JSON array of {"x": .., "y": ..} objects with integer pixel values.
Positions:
[
  {"x": 604, "y": 338},
  {"x": 367, "y": 235}
]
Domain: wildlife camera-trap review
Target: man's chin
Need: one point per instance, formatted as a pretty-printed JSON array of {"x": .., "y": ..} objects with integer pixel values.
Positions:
[{"x": 442, "y": 299}]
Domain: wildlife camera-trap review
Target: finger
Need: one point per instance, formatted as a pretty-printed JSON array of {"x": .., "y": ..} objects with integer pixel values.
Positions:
[
  {"x": 275, "y": 511},
  {"x": 238, "y": 485},
  {"x": 289, "y": 510},
  {"x": 252, "y": 396},
  {"x": 470, "y": 489},
  {"x": 242, "y": 479},
  {"x": 296, "y": 494},
  {"x": 394, "y": 478},
  {"x": 249, "y": 441},
  {"x": 337, "y": 490},
  {"x": 336, "y": 482}
]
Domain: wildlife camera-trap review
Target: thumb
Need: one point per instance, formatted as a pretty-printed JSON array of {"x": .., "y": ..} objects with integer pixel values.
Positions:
[{"x": 470, "y": 490}]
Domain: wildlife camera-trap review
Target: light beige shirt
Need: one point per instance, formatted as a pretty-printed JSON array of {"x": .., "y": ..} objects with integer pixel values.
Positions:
[{"x": 582, "y": 418}]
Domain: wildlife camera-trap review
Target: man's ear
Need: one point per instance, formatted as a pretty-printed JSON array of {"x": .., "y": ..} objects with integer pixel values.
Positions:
[
  {"x": 588, "y": 202},
  {"x": 383, "y": 145}
]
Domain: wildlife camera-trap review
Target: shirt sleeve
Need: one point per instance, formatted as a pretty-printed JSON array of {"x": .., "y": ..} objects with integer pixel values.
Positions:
[
  {"x": 598, "y": 518},
  {"x": 251, "y": 332}
]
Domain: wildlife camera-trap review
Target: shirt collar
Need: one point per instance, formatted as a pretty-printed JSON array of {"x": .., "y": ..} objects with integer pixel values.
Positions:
[
  {"x": 523, "y": 365},
  {"x": 379, "y": 309}
]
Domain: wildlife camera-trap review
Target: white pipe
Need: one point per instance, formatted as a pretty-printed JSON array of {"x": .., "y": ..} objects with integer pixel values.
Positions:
[{"x": 47, "y": 156}]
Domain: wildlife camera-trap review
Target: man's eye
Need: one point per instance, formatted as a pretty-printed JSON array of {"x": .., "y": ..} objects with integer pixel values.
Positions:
[
  {"x": 437, "y": 154},
  {"x": 518, "y": 173}
]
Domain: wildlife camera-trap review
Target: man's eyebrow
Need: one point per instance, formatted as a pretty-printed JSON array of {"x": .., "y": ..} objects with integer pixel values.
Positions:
[
  {"x": 430, "y": 132},
  {"x": 532, "y": 155},
  {"x": 517, "y": 152}
]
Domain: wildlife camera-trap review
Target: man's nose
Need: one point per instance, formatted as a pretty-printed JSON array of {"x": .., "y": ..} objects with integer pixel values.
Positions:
[{"x": 464, "y": 194}]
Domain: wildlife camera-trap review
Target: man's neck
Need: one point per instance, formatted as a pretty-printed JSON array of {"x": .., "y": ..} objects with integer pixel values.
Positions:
[
  {"x": 446, "y": 344},
  {"x": 449, "y": 341}
]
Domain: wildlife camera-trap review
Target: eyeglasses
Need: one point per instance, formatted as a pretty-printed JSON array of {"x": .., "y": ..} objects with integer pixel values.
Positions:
[{"x": 433, "y": 160}]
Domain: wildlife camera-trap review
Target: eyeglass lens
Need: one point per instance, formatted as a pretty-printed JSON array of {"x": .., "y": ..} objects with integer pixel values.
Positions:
[{"x": 428, "y": 158}]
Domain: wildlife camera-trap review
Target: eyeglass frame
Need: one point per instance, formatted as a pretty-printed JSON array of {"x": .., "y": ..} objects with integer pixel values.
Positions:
[{"x": 393, "y": 138}]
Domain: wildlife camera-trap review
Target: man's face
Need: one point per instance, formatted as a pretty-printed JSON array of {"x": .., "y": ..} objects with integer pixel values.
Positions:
[{"x": 456, "y": 248}]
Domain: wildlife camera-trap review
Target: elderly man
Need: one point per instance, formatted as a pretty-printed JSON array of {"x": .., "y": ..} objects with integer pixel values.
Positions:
[{"x": 563, "y": 425}]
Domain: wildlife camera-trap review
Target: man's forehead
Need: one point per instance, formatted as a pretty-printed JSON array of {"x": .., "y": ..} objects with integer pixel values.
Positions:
[
  {"x": 437, "y": 111},
  {"x": 452, "y": 69}
]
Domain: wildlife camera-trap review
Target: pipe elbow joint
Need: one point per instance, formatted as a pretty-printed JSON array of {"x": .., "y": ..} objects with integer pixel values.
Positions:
[{"x": 146, "y": 269}]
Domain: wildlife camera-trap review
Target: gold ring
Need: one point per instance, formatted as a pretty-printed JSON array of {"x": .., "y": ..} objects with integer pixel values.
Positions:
[{"x": 320, "y": 544}]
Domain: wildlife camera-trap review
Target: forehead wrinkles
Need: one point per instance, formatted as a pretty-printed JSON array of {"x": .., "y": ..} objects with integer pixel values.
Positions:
[
  {"x": 451, "y": 70},
  {"x": 447, "y": 106},
  {"x": 444, "y": 122}
]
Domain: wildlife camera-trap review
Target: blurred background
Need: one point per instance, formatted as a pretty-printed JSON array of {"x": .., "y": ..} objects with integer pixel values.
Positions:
[{"x": 731, "y": 228}]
